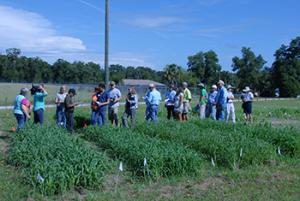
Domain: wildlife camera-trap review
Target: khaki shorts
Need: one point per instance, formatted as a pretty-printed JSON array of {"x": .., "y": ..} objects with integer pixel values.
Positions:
[
  {"x": 186, "y": 107},
  {"x": 112, "y": 112}
]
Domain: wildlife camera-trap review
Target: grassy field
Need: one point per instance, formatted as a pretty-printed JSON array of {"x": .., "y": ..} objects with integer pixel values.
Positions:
[{"x": 273, "y": 177}]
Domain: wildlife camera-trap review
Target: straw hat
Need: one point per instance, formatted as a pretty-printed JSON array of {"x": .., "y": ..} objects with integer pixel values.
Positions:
[{"x": 247, "y": 89}]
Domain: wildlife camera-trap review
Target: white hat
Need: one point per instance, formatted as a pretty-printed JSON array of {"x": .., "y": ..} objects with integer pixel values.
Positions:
[
  {"x": 247, "y": 89},
  {"x": 221, "y": 82},
  {"x": 214, "y": 86},
  {"x": 151, "y": 85},
  {"x": 230, "y": 87},
  {"x": 185, "y": 84},
  {"x": 201, "y": 85}
]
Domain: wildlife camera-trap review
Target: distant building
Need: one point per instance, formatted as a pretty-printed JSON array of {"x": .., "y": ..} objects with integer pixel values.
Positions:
[{"x": 142, "y": 83}]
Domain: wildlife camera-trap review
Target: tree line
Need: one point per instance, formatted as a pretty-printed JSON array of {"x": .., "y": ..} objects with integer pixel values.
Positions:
[{"x": 247, "y": 70}]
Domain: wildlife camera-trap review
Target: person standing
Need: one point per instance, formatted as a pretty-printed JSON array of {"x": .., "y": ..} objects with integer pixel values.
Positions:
[
  {"x": 95, "y": 108},
  {"x": 169, "y": 102},
  {"x": 153, "y": 100},
  {"x": 178, "y": 104},
  {"x": 247, "y": 104},
  {"x": 212, "y": 110},
  {"x": 202, "y": 100},
  {"x": 22, "y": 108},
  {"x": 60, "y": 107},
  {"x": 114, "y": 95},
  {"x": 102, "y": 101},
  {"x": 131, "y": 107},
  {"x": 230, "y": 105},
  {"x": 69, "y": 110},
  {"x": 39, "y": 104},
  {"x": 187, "y": 98},
  {"x": 221, "y": 101}
]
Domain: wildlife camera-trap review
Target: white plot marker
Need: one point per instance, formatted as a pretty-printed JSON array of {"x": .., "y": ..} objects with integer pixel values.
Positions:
[
  {"x": 213, "y": 162},
  {"x": 241, "y": 152},
  {"x": 145, "y": 162},
  {"x": 40, "y": 179},
  {"x": 279, "y": 151},
  {"x": 121, "y": 167}
]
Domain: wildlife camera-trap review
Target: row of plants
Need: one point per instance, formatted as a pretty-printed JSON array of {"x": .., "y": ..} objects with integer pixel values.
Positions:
[
  {"x": 286, "y": 140},
  {"x": 222, "y": 148},
  {"x": 53, "y": 161},
  {"x": 145, "y": 155}
]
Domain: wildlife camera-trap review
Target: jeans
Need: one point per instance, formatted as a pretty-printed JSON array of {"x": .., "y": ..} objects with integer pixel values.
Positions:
[
  {"x": 21, "y": 120},
  {"x": 152, "y": 115},
  {"x": 129, "y": 113},
  {"x": 39, "y": 116},
  {"x": 95, "y": 118},
  {"x": 221, "y": 112},
  {"x": 70, "y": 121},
  {"x": 60, "y": 116},
  {"x": 171, "y": 113},
  {"x": 213, "y": 112}
]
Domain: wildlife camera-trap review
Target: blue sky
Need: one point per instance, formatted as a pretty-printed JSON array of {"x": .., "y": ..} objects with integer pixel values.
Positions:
[{"x": 148, "y": 32}]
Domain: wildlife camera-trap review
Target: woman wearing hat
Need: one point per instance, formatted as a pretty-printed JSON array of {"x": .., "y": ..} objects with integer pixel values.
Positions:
[
  {"x": 230, "y": 105},
  {"x": 247, "y": 103},
  {"x": 22, "y": 108},
  {"x": 212, "y": 110}
]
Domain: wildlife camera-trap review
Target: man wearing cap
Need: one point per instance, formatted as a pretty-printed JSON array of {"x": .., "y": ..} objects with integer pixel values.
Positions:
[
  {"x": 247, "y": 103},
  {"x": 230, "y": 105},
  {"x": 69, "y": 109},
  {"x": 221, "y": 101},
  {"x": 153, "y": 100},
  {"x": 202, "y": 100},
  {"x": 22, "y": 108},
  {"x": 212, "y": 111},
  {"x": 187, "y": 98},
  {"x": 114, "y": 96}
]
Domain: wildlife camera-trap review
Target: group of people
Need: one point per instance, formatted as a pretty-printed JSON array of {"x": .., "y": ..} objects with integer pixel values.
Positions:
[{"x": 217, "y": 104}]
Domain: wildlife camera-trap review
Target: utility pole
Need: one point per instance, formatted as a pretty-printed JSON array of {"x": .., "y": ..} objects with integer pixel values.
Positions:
[{"x": 106, "y": 57}]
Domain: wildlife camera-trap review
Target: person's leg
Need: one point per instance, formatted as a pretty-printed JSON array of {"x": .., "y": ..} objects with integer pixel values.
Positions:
[
  {"x": 41, "y": 116},
  {"x": 68, "y": 120},
  {"x": 148, "y": 113},
  {"x": 71, "y": 122},
  {"x": 111, "y": 115},
  {"x": 103, "y": 116},
  {"x": 35, "y": 117},
  {"x": 213, "y": 112},
  {"x": 125, "y": 119},
  {"x": 169, "y": 111},
  {"x": 233, "y": 113},
  {"x": 202, "y": 111},
  {"x": 20, "y": 120},
  {"x": 58, "y": 120},
  {"x": 115, "y": 115},
  {"x": 155, "y": 114},
  {"x": 228, "y": 108},
  {"x": 133, "y": 118}
]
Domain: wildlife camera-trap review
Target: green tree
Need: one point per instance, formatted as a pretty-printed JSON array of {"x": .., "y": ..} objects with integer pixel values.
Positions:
[
  {"x": 286, "y": 69},
  {"x": 172, "y": 73},
  {"x": 248, "y": 68}
]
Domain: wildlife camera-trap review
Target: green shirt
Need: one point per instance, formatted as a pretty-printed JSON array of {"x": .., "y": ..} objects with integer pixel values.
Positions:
[
  {"x": 203, "y": 97},
  {"x": 187, "y": 96},
  {"x": 69, "y": 101}
]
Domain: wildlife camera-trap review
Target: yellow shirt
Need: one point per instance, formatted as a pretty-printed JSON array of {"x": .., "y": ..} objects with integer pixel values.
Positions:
[{"x": 187, "y": 96}]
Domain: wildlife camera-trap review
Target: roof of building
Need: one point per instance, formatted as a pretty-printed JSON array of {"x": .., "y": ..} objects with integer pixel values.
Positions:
[{"x": 133, "y": 82}]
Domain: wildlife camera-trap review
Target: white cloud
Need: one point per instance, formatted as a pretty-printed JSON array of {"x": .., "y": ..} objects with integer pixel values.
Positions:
[
  {"x": 32, "y": 32},
  {"x": 154, "y": 22},
  {"x": 93, "y": 6}
]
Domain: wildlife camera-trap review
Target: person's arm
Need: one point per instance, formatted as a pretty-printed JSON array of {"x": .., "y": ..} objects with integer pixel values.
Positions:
[{"x": 25, "y": 110}]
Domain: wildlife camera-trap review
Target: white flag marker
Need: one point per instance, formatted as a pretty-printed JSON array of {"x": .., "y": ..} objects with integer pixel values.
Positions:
[
  {"x": 279, "y": 151},
  {"x": 121, "y": 167},
  {"x": 241, "y": 152},
  {"x": 40, "y": 179},
  {"x": 213, "y": 162},
  {"x": 145, "y": 162}
]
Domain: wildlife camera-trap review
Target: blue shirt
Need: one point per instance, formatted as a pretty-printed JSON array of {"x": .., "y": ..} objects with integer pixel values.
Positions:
[
  {"x": 170, "y": 97},
  {"x": 102, "y": 98},
  {"x": 248, "y": 97},
  {"x": 222, "y": 96},
  {"x": 212, "y": 98},
  {"x": 18, "y": 104},
  {"x": 39, "y": 100},
  {"x": 112, "y": 95},
  {"x": 154, "y": 97}
]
